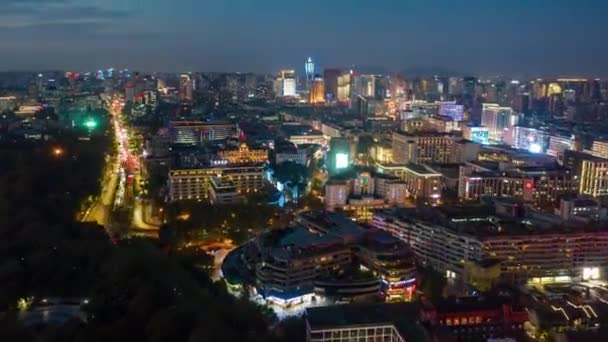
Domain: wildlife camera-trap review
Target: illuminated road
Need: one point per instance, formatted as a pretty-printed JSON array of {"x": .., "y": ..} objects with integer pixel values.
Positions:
[
  {"x": 138, "y": 217},
  {"x": 129, "y": 175},
  {"x": 120, "y": 180},
  {"x": 100, "y": 210}
]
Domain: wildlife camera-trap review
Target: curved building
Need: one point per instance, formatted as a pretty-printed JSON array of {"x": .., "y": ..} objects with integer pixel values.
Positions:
[{"x": 323, "y": 254}]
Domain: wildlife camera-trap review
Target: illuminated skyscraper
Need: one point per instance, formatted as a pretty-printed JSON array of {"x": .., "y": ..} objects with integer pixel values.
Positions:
[
  {"x": 497, "y": 119},
  {"x": 288, "y": 82},
  {"x": 344, "y": 87},
  {"x": 186, "y": 88},
  {"x": 309, "y": 68},
  {"x": 317, "y": 91}
]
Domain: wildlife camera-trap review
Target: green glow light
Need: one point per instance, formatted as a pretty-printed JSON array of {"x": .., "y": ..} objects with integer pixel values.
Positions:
[{"x": 90, "y": 124}]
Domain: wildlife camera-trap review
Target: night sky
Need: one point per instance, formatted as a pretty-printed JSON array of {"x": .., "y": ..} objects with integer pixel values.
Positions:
[{"x": 534, "y": 37}]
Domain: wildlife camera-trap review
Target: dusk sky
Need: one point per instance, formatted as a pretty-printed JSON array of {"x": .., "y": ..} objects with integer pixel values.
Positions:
[{"x": 483, "y": 37}]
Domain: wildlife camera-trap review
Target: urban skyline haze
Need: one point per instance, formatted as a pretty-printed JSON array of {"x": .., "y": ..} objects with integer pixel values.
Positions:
[{"x": 481, "y": 37}]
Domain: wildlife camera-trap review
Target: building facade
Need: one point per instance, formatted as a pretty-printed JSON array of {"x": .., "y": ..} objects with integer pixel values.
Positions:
[
  {"x": 447, "y": 245},
  {"x": 194, "y": 184}
]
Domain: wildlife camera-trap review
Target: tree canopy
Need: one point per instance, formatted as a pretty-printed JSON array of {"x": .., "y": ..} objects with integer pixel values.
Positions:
[{"x": 136, "y": 290}]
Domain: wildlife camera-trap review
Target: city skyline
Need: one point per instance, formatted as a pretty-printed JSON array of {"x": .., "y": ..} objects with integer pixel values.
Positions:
[{"x": 521, "y": 38}]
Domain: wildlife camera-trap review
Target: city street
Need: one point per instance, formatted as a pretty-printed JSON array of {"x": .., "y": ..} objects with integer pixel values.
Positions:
[{"x": 121, "y": 176}]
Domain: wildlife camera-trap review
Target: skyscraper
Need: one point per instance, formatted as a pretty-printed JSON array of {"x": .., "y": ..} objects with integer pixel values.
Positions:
[
  {"x": 309, "y": 68},
  {"x": 317, "y": 91},
  {"x": 344, "y": 87},
  {"x": 330, "y": 76},
  {"x": 186, "y": 88},
  {"x": 288, "y": 79},
  {"x": 497, "y": 119}
]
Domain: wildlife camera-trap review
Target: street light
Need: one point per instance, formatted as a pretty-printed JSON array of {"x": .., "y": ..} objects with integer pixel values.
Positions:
[{"x": 57, "y": 151}]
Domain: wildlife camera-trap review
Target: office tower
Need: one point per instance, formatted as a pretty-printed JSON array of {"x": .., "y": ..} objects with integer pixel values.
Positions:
[
  {"x": 455, "y": 86},
  {"x": 129, "y": 92},
  {"x": 309, "y": 68},
  {"x": 161, "y": 85},
  {"x": 398, "y": 86},
  {"x": 344, "y": 87},
  {"x": 317, "y": 91},
  {"x": 364, "y": 85},
  {"x": 330, "y": 76},
  {"x": 469, "y": 84},
  {"x": 287, "y": 83},
  {"x": 186, "y": 88},
  {"x": 497, "y": 119}
]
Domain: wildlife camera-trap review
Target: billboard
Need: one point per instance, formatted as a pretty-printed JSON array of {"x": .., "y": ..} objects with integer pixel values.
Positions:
[{"x": 451, "y": 110}]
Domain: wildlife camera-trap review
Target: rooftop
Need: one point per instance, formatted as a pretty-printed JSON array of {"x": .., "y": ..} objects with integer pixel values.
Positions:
[
  {"x": 483, "y": 221},
  {"x": 290, "y": 130},
  {"x": 401, "y": 315},
  {"x": 461, "y": 304}
]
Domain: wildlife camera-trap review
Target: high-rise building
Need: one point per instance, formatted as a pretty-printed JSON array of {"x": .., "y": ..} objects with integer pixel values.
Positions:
[
  {"x": 398, "y": 86},
  {"x": 288, "y": 83},
  {"x": 186, "y": 88},
  {"x": 330, "y": 76},
  {"x": 364, "y": 85},
  {"x": 497, "y": 119},
  {"x": 309, "y": 69},
  {"x": 344, "y": 87},
  {"x": 317, "y": 91}
]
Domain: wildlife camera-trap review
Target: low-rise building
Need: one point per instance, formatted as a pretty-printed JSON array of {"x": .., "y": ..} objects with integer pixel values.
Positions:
[
  {"x": 359, "y": 193},
  {"x": 194, "y": 184},
  {"x": 542, "y": 186},
  {"x": 396, "y": 322},
  {"x": 316, "y": 256},
  {"x": 421, "y": 181},
  {"x": 530, "y": 246},
  {"x": 592, "y": 173}
]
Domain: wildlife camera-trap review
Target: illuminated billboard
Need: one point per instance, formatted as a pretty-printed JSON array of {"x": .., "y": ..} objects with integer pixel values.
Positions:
[
  {"x": 453, "y": 111},
  {"x": 480, "y": 135},
  {"x": 341, "y": 161}
]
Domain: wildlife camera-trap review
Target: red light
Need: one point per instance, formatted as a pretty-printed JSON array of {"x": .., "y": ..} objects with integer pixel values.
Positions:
[{"x": 529, "y": 185}]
